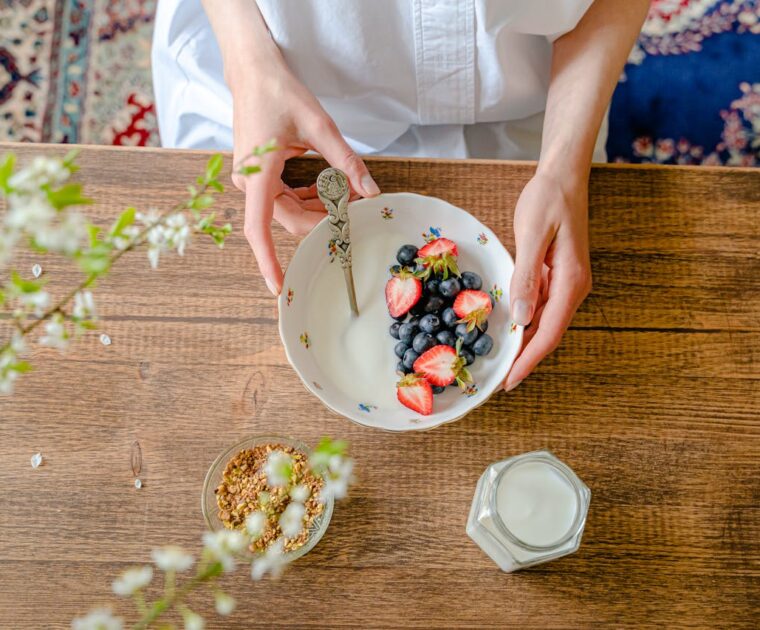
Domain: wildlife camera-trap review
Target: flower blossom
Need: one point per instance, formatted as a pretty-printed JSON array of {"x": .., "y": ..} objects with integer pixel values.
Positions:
[
  {"x": 278, "y": 468},
  {"x": 172, "y": 558},
  {"x": 291, "y": 520},
  {"x": 223, "y": 545},
  {"x": 132, "y": 580},
  {"x": 56, "y": 335},
  {"x": 84, "y": 306},
  {"x": 98, "y": 619},
  {"x": 271, "y": 561}
]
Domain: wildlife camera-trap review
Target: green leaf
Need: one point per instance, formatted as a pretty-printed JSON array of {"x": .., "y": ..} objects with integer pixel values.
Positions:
[
  {"x": 6, "y": 170},
  {"x": 192, "y": 190},
  {"x": 265, "y": 148},
  {"x": 217, "y": 186},
  {"x": 202, "y": 202},
  {"x": 125, "y": 219},
  {"x": 249, "y": 170},
  {"x": 97, "y": 259},
  {"x": 93, "y": 230},
  {"x": 68, "y": 195},
  {"x": 326, "y": 449},
  {"x": 69, "y": 158},
  {"x": 22, "y": 367},
  {"x": 214, "y": 166},
  {"x": 26, "y": 286},
  {"x": 2, "y": 297}
]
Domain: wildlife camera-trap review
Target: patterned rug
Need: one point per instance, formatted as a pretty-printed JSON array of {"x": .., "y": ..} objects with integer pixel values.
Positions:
[{"x": 79, "y": 71}]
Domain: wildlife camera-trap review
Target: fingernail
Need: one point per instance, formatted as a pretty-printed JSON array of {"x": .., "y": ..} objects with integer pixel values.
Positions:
[
  {"x": 369, "y": 185},
  {"x": 521, "y": 312},
  {"x": 509, "y": 388},
  {"x": 271, "y": 287}
]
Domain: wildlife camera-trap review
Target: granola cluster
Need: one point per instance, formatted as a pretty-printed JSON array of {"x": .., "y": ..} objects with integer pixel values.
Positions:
[{"x": 244, "y": 489}]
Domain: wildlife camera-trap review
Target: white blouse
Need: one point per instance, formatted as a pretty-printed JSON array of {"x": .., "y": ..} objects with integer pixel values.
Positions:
[{"x": 434, "y": 78}]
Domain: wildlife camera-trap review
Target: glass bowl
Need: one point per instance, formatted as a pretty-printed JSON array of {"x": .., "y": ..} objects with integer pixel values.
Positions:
[{"x": 214, "y": 478}]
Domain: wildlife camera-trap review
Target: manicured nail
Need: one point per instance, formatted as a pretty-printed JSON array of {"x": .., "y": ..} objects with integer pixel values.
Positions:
[
  {"x": 271, "y": 287},
  {"x": 369, "y": 185},
  {"x": 509, "y": 388},
  {"x": 521, "y": 312}
]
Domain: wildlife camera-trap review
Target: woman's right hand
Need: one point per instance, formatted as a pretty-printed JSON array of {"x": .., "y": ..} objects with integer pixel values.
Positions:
[{"x": 273, "y": 105}]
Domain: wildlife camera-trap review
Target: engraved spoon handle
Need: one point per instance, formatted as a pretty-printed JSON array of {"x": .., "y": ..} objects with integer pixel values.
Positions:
[{"x": 333, "y": 191}]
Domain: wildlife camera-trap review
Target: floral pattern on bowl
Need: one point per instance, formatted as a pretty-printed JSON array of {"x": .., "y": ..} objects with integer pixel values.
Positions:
[{"x": 411, "y": 216}]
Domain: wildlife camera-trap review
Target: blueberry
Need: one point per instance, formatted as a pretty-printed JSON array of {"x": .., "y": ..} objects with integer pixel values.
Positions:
[
  {"x": 484, "y": 326},
  {"x": 432, "y": 286},
  {"x": 449, "y": 288},
  {"x": 401, "y": 369},
  {"x": 449, "y": 318},
  {"x": 467, "y": 337},
  {"x": 422, "y": 342},
  {"x": 447, "y": 338},
  {"x": 410, "y": 356},
  {"x": 430, "y": 323},
  {"x": 471, "y": 280},
  {"x": 469, "y": 357},
  {"x": 395, "y": 269},
  {"x": 415, "y": 321},
  {"x": 418, "y": 309},
  {"x": 406, "y": 254},
  {"x": 437, "y": 389},
  {"x": 406, "y": 332},
  {"x": 483, "y": 345},
  {"x": 394, "y": 330},
  {"x": 434, "y": 304},
  {"x": 400, "y": 349},
  {"x": 419, "y": 267}
]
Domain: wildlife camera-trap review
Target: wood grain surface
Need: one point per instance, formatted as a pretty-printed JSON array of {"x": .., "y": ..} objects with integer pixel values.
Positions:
[{"x": 653, "y": 398}]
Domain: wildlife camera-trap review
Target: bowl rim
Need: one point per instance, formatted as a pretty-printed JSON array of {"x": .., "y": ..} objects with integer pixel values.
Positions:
[
  {"x": 307, "y": 385},
  {"x": 247, "y": 442}
]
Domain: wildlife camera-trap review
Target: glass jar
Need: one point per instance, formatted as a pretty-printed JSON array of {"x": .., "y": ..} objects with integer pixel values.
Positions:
[{"x": 527, "y": 510}]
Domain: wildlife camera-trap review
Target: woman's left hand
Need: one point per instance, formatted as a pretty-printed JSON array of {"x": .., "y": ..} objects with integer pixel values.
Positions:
[{"x": 552, "y": 272}]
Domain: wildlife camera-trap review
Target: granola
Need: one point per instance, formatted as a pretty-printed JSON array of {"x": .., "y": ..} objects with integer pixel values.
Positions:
[{"x": 244, "y": 489}]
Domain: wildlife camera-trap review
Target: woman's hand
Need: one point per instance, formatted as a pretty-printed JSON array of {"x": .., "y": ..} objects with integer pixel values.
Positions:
[
  {"x": 552, "y": 271},
  {"x": 276, "y": 106}
]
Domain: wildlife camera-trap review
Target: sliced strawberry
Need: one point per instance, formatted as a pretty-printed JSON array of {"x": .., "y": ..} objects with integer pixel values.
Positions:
[
  {"x": 415, "y": 392},
  {"x": 442, "y": 365},
  {"x": 402, "y": 292},
  {"x": 473, "y": 307},
  {"x": 438, "y": 247},
  {"x": 438, "y": 256}
]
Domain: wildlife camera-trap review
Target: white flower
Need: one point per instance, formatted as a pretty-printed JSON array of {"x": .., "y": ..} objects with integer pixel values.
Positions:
[
  {"x": 291, "y": 520},
  {"x": 223, "y": 545},
  {"x": 176, "y": 232},
  {"x": 29, "y": 213},
  {"x": 84, "y": 306},
  {"x": 172, "y": 558},
  {"x": 42, "y": 171},
  {"x": 224, "y": 603},
  {"x": 272, "y": 561},
  {"x": 126, "y": 237},
  {"x": 278, "y": 468},
  {"x": 338, "y": 476},
  {"x": 64, "y": 236},
  {"x": 56, "y": 335},
  {"x": 7, "y": 242},
  {"x": 193, "y": 621},
  {"x": 255, "y": 523},
  {"x": 300, "y": 493},
  {"x": 98, "y": 619},
  {"x": 132, "y": 580},
  {"x": 36, "y": 301}
]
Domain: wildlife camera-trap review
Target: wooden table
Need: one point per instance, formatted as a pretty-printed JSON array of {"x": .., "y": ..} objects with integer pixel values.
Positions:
[{"x": 653, "y": 398}]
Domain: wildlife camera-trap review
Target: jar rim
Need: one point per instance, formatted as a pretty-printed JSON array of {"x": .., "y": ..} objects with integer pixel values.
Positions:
[{"x": 567, "y": 473}]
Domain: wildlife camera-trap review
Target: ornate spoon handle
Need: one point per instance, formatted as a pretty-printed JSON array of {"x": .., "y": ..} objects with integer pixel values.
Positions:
[{"x": 333, "y": 191}]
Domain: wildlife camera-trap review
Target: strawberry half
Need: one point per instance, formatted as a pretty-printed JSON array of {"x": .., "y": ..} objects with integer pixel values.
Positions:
[
  {"x": 442, "y": 365},
  {"x": 472, "y": 307},
  {"x": 438, "y": 256},
  {"x": 402, "y": 292},
  {"x": 415, "y": 392}
]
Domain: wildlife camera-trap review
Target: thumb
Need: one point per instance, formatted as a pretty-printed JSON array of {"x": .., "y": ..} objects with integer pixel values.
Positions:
[
  {"x": 526, "y": 280},
  {"x": 338, "y": 154}
]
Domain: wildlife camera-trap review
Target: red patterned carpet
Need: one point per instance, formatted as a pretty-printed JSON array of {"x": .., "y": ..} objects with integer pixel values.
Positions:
[{"x": 77, "y": 71}]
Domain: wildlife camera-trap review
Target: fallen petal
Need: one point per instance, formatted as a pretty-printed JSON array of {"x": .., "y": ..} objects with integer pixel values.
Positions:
[
  {"x": 36, "y": 460},
  {"x": 105, "y": 339},
  {"x": 36, "y": 270}
]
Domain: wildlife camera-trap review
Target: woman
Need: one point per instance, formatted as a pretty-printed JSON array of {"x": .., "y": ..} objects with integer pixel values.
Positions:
[{"x": 508, "y": 79}]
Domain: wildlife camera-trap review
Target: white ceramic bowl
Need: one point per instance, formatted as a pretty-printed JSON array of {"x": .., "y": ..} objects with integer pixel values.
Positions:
[{"x": 313, "y": 306}]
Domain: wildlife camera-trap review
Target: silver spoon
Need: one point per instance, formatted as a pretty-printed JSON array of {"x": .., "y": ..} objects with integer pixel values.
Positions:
[{"x": 333, "y": 191}]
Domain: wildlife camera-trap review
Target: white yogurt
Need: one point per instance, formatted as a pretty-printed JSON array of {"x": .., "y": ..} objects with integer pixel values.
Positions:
[
  {"x": 536, "y": 503},
  {"x": 528, "y": 509},
  {"x": 357, "y": 352}
]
